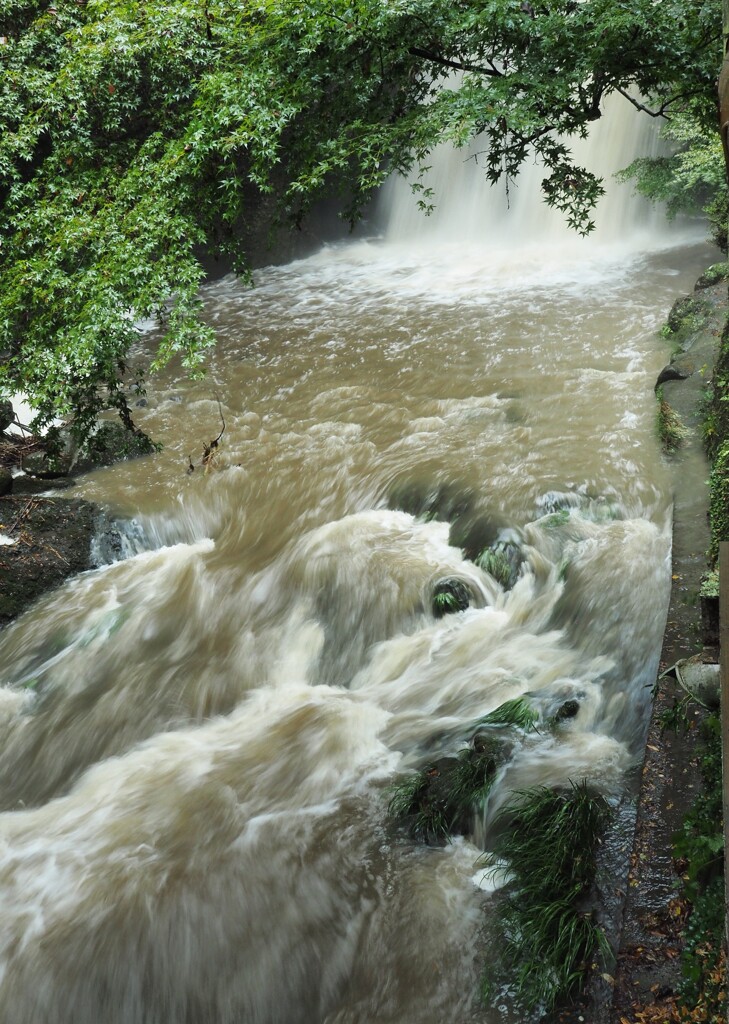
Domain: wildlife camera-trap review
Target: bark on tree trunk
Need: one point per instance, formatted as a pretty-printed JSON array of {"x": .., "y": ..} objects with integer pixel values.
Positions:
[{"x": 724, "y": 88}]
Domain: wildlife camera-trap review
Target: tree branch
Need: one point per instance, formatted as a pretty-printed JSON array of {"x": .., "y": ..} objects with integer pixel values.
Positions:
[
  {"x": 457, "y": 65},
  {"x": 639, "y": 106}
]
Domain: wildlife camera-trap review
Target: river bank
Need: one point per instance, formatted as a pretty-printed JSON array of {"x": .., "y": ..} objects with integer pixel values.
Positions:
[
  {"x": 648, "y": 976},
  {"x": 643, "y": 880}
]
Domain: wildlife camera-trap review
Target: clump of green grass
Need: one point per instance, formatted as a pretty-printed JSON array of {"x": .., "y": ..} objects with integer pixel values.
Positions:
[
  {"x": 517, "y": 712},
  {"x": 671, "y": 430},
  {"x": 713, "y": 274},
  {"x": 471, "y": 780},
  {"x": 549, "y": 840},
  {"x": 699, "y": 844},
  {"x": 450, "y": 596},
  {"x": 559, "y": 518},
  {"x": 495, "y": 562},
  {"x": 425, "y": 818},
  {"x": 438, "y": 801}
]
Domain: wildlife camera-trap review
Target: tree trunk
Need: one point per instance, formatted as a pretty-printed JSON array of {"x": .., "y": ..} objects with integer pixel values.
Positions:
[{"x": 724, "y": 87}]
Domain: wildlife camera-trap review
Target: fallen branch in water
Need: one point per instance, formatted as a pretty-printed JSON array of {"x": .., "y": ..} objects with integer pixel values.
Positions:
[{"x": 209, "y": 450}]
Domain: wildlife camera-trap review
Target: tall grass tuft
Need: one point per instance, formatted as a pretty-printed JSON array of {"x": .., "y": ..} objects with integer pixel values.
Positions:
[
  {"x": 517, "y": 712},
  {"x": 438, "y": 801},
  {"x": 495, "y": 562},
  {"x": 549, "y": 840}
]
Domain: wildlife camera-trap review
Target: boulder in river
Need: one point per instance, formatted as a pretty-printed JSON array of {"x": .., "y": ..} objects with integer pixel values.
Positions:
[
  {"x": 449, "y": 596},
  {"x": 7, "y": 415},
  {"x": 111, "y": 443}
]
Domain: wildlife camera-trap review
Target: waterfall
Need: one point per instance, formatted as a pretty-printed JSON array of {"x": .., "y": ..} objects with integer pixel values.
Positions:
[{"x": 470, "y": 211}]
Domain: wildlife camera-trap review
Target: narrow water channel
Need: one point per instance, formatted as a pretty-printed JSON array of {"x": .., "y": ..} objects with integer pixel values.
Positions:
[{"x": 198, "y": 740}]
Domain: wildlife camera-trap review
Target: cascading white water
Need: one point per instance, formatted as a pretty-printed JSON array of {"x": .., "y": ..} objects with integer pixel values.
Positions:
[
  {"x": 198, "y": 741},
  {"x": 468, "y": 211}
]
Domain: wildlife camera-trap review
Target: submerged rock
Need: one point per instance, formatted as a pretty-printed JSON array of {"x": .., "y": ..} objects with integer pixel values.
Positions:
[
  {"x": 566, "y": 711},
  {"x": 450, "y": 596},
  {"x": 112, "y": 443},
  {"x": 473, "y": 527}
]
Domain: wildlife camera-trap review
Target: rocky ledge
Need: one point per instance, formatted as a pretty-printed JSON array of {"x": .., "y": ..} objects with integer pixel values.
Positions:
[{"x": 43, "y": 541}]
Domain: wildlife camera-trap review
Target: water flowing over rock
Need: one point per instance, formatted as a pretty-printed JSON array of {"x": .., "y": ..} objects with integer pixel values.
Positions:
[{"x": 199, "y": 739}]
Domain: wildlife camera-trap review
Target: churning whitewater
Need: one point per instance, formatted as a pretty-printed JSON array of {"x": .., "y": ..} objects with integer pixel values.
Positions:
[{"x": 199, "y": 739}]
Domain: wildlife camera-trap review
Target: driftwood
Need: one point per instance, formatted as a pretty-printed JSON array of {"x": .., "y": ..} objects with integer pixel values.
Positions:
[{"x": 210, "y": 450}]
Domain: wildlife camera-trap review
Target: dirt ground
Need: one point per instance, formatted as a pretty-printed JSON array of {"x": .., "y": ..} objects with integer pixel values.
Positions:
[{"x": 52, "y": 541}]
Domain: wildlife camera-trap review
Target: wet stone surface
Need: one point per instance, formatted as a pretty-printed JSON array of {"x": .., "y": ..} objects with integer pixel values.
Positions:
[{"x": 51, "y": 541}]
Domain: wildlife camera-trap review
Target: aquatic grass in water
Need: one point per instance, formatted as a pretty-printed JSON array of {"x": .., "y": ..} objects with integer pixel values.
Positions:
[
  {"x": 671, "y": 430},
  {"x": 425, "y": 817},
  {"x": 450, "y": 596},
  {"x": 549, "y": 840},
  {"x": 496, "y": 563},
  {"x": 559, "y": 518},
  {"x": 438, "y": 801},
  {"x": 517, "y": 712}
]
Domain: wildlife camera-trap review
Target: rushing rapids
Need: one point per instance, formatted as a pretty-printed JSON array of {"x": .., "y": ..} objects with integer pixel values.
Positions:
[{"x": 199, "y": 739}]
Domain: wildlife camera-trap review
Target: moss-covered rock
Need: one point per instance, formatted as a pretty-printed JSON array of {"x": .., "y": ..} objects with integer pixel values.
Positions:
[
  {"x": 112, "y": 443},
  {"x": 688, "y": 315},
  {"x": 712, "y": 275}
]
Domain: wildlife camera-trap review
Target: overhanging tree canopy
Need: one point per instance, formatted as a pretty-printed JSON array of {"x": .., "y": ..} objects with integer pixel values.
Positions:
[{"x": 133, "y": 135}]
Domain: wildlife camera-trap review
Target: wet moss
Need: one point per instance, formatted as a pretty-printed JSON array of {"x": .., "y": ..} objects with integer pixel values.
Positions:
[
  {"x": 719, "y": 501},
  {"x": 671, "y": 430},
  {"x": 716, "y": 419},
  {"x": 713, "y": 275},
  {"x": 688, "y": 315},
  {"x": 556, "y": 519}
]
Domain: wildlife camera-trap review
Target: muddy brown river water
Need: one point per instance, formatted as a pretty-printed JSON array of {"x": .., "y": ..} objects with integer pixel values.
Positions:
[{"x": 199, "y": 739}]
